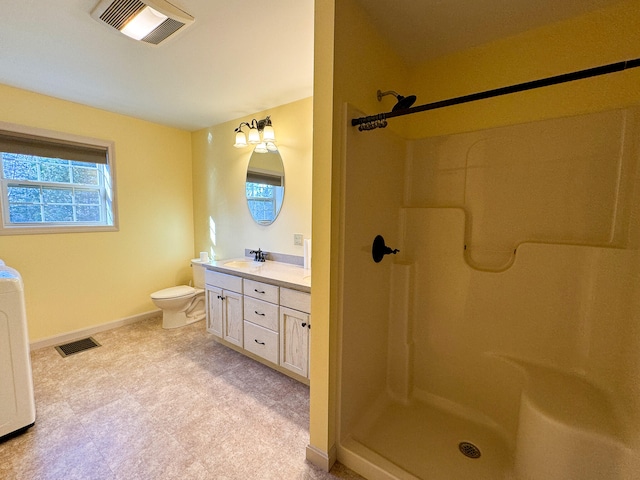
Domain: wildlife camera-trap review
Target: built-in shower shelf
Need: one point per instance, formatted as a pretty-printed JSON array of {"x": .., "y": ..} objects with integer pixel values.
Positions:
[
  {"x": 568, "y": 429},
  {"x": 573, "y": 401}
]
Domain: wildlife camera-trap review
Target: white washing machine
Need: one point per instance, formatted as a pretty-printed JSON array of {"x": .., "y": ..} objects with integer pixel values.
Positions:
[{"x": 17, "y": 405}]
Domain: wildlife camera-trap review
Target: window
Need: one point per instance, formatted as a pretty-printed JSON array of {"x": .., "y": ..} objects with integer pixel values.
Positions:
[
  {"x": 262, "y": 202},
  {"x": 54, "y": 182},
  {"x": 264, "y": 195}
]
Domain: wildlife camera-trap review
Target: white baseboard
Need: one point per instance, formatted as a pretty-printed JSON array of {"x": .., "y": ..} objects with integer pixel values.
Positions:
[
  {"x": 84, "y": 332},
  {"x": 320, "y": 458}
]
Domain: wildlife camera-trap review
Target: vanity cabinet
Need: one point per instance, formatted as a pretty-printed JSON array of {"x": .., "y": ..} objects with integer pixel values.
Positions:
[
  {"x": 224, "y": 307},
  {"x": 268, "y": 322}
]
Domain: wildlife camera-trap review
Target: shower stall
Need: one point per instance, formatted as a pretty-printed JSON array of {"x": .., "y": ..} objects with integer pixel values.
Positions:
[{"x": 502, "y": 341}]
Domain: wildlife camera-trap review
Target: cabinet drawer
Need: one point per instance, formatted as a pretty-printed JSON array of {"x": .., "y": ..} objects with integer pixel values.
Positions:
[
  {"x": 261, "y": 342},
  {"x": 295, "y": 299},
  {"x": 261, "y": 313},
  {"x": 263, "y": 291},
  {"x": 224, "y": 281}
]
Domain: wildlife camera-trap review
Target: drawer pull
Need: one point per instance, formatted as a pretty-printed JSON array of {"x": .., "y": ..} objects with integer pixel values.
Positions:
[
  {"x": 259, "y": 343},
  {"x": 221, "y": 297},
  {"x": 259, "y": 291},
  {"x": 258, "y": 313},
  {"x": 305, "y": 324}
]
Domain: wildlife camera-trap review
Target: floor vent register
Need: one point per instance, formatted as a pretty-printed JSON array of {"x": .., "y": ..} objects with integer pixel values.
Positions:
[{"x": 77, "y": 346}]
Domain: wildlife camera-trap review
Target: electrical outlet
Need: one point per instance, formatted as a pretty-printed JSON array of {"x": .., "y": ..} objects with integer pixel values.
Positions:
[{"x": 297, "y": 239}]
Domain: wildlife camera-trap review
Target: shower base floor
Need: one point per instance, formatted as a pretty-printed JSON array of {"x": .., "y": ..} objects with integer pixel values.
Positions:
[{"x": 423, "y": 440}]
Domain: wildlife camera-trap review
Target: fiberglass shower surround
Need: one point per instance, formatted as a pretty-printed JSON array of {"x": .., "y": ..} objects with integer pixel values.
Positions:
[{"x": 501, "y": 341}]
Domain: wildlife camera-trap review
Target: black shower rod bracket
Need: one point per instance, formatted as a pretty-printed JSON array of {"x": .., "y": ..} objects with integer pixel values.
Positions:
[{"x": 380, "y": 120}]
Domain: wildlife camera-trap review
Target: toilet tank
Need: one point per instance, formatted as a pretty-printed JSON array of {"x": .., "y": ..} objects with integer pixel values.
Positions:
[{"x": 198, "y": 273}]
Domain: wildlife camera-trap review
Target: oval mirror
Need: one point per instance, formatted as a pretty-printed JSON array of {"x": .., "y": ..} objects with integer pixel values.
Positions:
[{"x": 265, "y": 186}]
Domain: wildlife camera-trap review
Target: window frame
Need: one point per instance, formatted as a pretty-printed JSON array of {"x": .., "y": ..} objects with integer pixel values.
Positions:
[{"x": 62, "y": 138}]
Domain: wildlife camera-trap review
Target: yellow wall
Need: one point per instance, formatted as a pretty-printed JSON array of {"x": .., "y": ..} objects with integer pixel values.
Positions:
[
  {"x": 322, "y": 345},
  {"x": 598, "y": 38},
  {"x": 108, "y": 276},
  {"x": 353, "y": 61},
  {"x": 223, "y": 224},
  {"x": 79, "y": 280}
]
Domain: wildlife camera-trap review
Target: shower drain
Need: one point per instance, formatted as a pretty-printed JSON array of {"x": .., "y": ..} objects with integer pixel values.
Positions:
[{"x": 469, "y": 450}]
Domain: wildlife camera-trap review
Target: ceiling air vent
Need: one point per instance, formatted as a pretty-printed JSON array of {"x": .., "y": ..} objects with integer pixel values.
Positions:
[{"x": 150, "y": 21}]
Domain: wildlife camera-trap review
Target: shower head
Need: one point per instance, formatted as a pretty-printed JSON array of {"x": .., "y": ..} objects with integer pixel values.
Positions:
[{"x": 403, "y": 102}]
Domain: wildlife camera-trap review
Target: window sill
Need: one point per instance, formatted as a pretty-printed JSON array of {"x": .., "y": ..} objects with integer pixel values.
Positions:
[{"x": 39, "y": 230}]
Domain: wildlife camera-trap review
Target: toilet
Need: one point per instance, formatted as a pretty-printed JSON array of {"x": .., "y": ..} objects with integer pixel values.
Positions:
[{"x": 183, "y": 304}]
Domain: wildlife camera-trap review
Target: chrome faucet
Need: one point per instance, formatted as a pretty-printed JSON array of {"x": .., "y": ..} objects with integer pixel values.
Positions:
[{"x": 258, "y": 255}]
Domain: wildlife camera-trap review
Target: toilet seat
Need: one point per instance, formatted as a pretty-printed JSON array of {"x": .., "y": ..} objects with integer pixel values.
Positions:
[{"x": 174, "y": 292}]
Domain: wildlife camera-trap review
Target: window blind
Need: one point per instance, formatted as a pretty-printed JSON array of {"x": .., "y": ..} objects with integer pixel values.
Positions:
[
  {"x": 13, "y": 142},
  {"x": 264, "y": 178}
]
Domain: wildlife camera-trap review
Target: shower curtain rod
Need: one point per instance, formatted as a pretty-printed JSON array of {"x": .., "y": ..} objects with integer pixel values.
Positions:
[{"x": 374, "y": 121}]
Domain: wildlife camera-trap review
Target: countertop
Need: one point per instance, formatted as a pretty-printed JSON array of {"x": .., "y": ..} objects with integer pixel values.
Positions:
[{"x": 277, "y": 273}]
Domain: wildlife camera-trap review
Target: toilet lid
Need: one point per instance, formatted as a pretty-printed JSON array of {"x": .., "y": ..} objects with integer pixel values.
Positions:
[{"x": 174, "y": 292}]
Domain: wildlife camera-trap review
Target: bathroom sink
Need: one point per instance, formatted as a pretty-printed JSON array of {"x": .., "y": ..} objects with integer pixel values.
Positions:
[
  {"x": 267, "y": 270},
  {"x": 238, "y": 264}
]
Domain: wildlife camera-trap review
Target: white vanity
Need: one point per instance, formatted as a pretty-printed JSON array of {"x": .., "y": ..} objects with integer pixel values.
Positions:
[{"x": 262, "y": 309}]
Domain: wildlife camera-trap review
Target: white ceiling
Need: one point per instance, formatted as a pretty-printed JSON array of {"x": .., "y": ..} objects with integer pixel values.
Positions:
[{"x": 239, "y": 56}]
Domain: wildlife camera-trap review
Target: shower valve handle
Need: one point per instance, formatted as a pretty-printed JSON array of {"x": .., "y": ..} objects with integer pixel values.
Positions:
[{"x": 379, "y": 249}]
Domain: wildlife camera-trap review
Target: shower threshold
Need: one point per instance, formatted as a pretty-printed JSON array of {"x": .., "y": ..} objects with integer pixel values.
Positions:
[{"x": 425, "y": 442}]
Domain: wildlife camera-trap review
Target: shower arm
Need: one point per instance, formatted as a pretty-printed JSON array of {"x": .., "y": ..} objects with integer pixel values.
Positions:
[{"x": 379, "y": 119}]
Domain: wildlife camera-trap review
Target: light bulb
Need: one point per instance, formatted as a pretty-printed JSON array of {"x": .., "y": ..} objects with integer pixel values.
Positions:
[
  {"x": 145, "y": 22},
  {"x": 241, "y": 140},
  {"x": 254, "y": 136},
  {"x": 261, "y": 148},
  {"x": 268, "y": 134}
]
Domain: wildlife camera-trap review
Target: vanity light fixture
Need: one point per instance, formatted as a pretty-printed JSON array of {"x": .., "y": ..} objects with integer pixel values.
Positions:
[
  {"x": 265, "y": 147},
  {"x": 261, "y": 134},
  {"x": 150, "y": 21}
]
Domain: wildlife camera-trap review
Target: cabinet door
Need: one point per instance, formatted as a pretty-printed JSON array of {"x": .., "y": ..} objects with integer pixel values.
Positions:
[
  {"x": 294, "y": 341},
  {"x": 233, "y": 318},
  {"x": 214, "y": 310}
]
